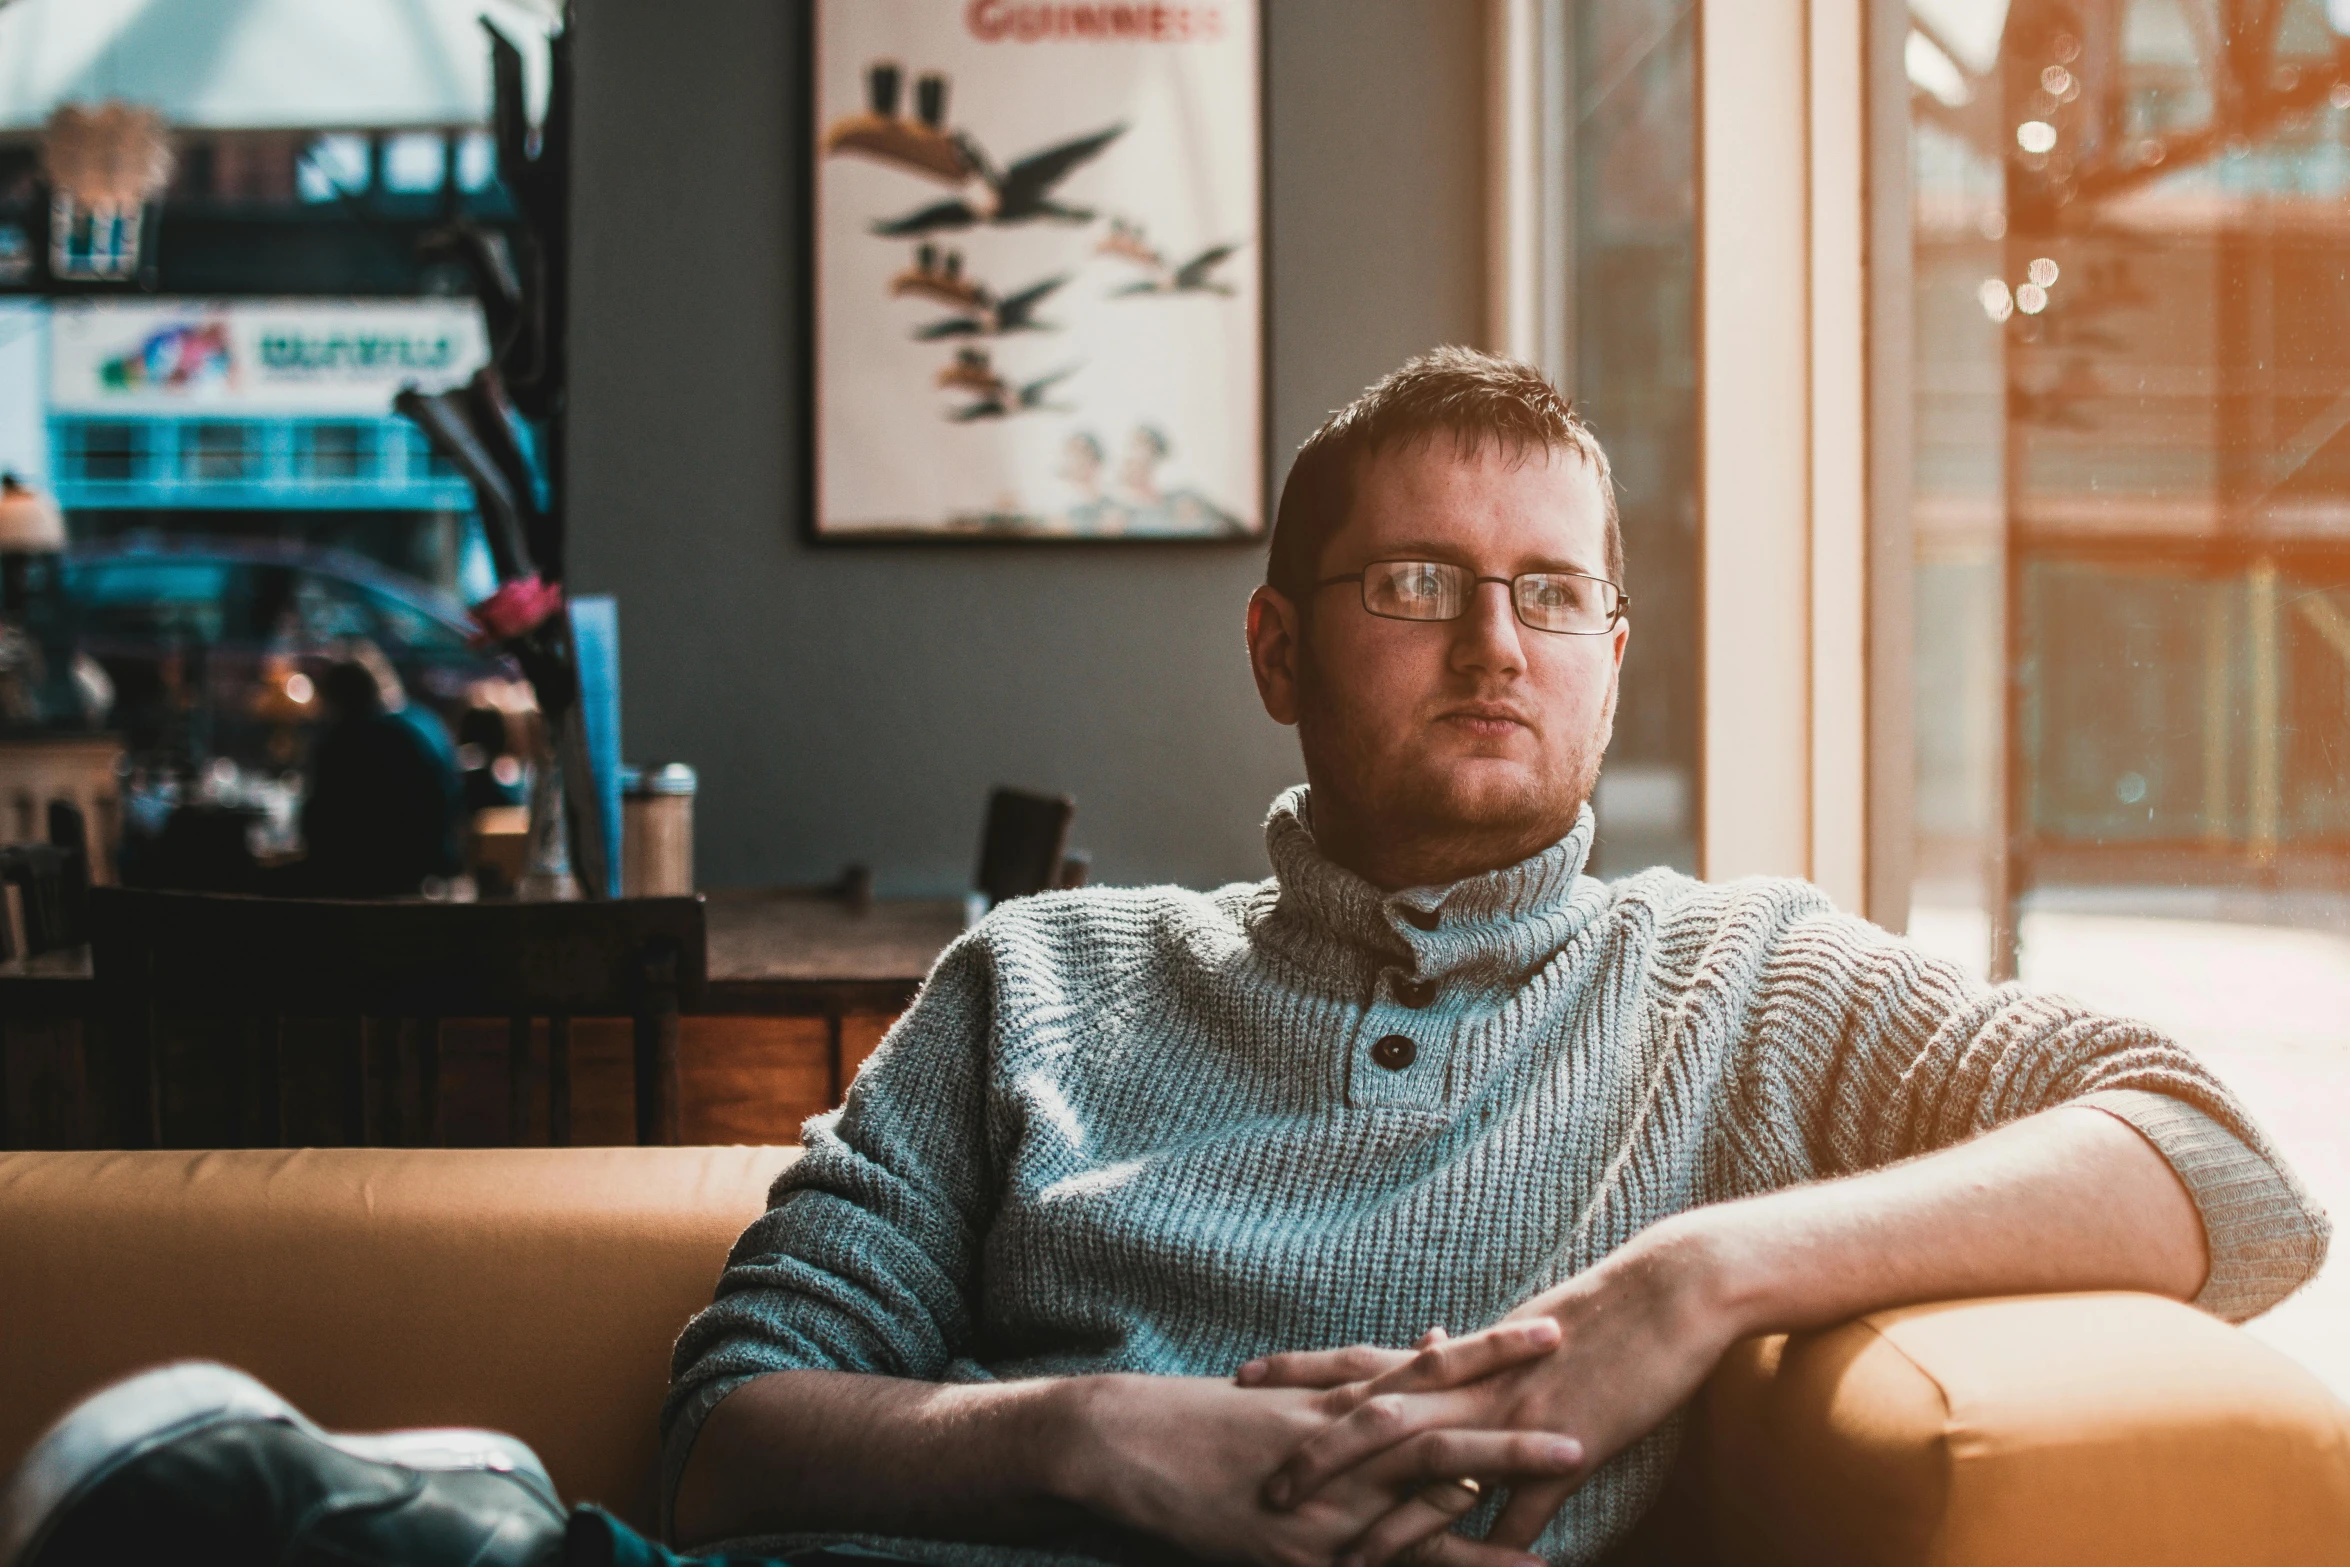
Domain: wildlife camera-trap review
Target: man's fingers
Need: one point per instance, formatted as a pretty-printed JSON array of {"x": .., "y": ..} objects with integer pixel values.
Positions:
[
  {"x": 1454, "y": 1362},
  {"x": 1416, "y": 1521},
  {"x": 1321, "y": 1367},
  {"x": 1446, "y": 1549},
  {"x": 1482, "y": 1455},
  {"x": 1416, "y": 1533},
  {"x": 1529, "y": 1511},
  {"x": 1374, "y": 1426},
  {"x": 1436, "y": 1360}
]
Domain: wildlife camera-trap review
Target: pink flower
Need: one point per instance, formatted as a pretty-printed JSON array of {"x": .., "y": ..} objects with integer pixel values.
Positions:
[{"x": 518, "y": 607}]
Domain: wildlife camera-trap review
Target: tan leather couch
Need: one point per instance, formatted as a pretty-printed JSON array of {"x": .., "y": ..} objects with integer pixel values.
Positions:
[{"x": 538, "y": 1290}]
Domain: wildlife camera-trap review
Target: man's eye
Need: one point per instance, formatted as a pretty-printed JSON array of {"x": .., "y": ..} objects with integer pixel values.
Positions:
[{"x": 1422, "y": 584}]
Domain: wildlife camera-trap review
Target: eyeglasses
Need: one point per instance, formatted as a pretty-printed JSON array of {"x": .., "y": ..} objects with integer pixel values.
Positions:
[{"x": 1569, "y": 602}]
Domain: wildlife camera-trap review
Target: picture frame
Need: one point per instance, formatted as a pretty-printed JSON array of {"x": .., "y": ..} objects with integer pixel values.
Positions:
[{"x": 1116, "y": 388}]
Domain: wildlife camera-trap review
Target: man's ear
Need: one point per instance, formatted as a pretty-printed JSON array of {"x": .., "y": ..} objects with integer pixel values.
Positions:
[{"x": 1273, "y": 633}]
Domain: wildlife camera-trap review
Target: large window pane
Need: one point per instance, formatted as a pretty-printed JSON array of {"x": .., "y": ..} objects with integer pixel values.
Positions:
[
  {"x": 1635, "y": 378},
  {"x": 2131, "y": 322}
]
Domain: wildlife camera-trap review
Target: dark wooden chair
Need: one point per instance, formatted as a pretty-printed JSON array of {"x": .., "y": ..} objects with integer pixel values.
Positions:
[
  {"x": 256, "y": 962},
  {"x": 1025, "y": 843}
]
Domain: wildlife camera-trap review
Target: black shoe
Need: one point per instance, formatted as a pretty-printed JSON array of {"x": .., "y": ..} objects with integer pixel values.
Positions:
[{"x": 197, "y": 1465}]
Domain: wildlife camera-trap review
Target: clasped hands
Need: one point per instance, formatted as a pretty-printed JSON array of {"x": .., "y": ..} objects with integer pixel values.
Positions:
[{"x": 1355, "y": 1457}]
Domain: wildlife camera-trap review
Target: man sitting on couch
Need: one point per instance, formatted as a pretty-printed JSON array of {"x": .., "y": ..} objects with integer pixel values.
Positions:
[
  {"x": 1428, "y": 1075},
  {"x": 1120, "y": 1246}
]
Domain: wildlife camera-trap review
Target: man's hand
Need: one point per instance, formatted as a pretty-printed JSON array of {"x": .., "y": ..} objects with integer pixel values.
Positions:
[
  {"x": 1186, "y": 1459},
  {"x": 1636, "y": 1335},
  {"x": 2070, "y": 1199}
]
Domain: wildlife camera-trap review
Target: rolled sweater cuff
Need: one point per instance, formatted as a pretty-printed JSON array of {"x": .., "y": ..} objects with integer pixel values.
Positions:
[
  {"x": 685, "y": 1425},
  {"x": 2265, "y": 1236}
]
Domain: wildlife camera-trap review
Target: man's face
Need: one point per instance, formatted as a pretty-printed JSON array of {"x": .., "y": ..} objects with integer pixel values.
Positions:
[{"x": 1436, "y": 749}]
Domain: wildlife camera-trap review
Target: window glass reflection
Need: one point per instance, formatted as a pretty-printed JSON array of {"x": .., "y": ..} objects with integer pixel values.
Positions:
[
  {"x": 332, "y": 167},
  {"x": 2133, "y": 451},
  {"x": 415, "y": 162},
  {"x": 1635, "y": 379},
  {"x": 2131, "y": 443}
]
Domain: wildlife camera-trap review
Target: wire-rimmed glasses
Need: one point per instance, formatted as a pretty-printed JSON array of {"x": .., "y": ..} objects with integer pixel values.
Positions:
[{"x": 1571, "y": 603}]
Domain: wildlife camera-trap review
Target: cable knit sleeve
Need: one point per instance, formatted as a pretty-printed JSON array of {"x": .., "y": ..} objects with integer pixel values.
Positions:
[
  {"x": 867, "y": 1256},
  {"x": 1863, "y": 1050}
]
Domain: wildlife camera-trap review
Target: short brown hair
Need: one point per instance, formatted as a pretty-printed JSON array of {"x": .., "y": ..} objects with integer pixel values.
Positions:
[{"x": 1473, "y": 396}]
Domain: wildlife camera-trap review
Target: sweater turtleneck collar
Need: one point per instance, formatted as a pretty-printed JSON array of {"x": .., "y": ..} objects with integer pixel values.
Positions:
[{"x": 1499, "y": 925}]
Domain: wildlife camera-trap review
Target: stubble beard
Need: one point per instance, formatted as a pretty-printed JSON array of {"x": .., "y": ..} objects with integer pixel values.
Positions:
[{"x": 1425, "y": 825}]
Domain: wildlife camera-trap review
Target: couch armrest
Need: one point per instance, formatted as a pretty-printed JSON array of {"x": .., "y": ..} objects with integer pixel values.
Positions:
[{"x": 2065, "y": 1430}]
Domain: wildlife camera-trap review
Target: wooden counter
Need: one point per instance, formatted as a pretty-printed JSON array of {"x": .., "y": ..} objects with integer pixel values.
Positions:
[{"x": 801, "y": 989}]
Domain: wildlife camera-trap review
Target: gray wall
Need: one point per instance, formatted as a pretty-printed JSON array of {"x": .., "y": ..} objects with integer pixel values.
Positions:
[{"x": 856, "y": 704}]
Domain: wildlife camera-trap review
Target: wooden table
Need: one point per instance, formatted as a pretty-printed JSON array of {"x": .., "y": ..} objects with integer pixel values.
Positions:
[
  {"x": 786, "y": 953},
  {"x": 781, "y": 953},
  {"x": 774, "y": 952}
]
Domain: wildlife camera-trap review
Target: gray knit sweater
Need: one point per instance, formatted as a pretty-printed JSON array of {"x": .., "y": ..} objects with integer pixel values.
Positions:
[{"x": 1165, "y": 1131}]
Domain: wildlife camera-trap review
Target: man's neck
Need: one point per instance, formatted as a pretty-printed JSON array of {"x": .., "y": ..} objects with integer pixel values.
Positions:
[{"x": 1392, "y": 855}]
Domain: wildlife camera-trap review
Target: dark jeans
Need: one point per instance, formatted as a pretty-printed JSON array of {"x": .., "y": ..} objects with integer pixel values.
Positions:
[
  {"x": 1667, "y": 1538},
  {"x": 597, "y": 1539}
]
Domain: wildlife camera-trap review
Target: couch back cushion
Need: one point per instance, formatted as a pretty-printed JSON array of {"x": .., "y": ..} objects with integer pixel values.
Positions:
[{"x": 529, "y": 1290}]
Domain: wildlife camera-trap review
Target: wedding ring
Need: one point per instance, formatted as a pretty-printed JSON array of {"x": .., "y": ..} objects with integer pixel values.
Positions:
[{"x": 1452, "y": 1497}]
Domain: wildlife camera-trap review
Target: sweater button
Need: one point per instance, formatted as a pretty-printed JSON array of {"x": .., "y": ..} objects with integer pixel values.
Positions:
[
  {"x": 1414, "y": 993},
  {"x": 1394, "y": 1052}
]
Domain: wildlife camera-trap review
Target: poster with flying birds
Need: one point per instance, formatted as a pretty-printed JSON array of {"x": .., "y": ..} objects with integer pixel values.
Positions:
[{"x": 1039, "y": 272}]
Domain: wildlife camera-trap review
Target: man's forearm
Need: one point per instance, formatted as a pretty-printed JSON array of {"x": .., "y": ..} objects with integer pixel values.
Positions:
[
  {"x": 2069, "y": 1199},
  {"x": 831, "y": 1450},
  {"x": 1182, "y": 1458},
  {"x": 2072, "y": 1198}
]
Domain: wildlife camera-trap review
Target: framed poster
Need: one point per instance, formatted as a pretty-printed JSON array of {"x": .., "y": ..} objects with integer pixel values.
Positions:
[{"x": 1038, "y": 291}]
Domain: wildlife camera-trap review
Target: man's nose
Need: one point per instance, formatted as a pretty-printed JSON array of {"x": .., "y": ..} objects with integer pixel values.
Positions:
[{"x": 1486, "y": 637}]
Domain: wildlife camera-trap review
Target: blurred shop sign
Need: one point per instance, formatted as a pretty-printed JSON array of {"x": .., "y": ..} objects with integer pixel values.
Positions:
[{"x": 163, "y": 356}]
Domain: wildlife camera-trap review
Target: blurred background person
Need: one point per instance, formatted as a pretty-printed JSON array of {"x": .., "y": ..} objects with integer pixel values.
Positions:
[{"x": 383, "y": 811}]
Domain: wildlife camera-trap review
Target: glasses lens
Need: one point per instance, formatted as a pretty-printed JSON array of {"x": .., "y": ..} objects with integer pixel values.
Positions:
[
  {"x": 1562, "y": 601},
  {"x": 1416, "y": 589}
]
